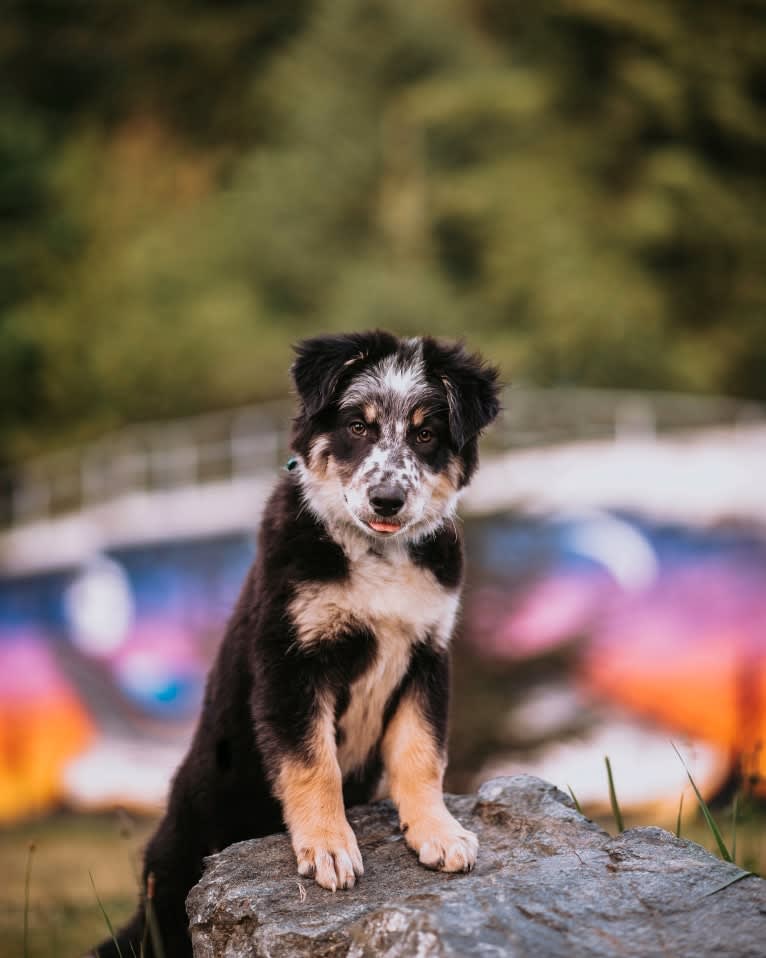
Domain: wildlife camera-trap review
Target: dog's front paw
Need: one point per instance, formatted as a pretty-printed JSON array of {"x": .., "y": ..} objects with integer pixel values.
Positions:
[
  {"x": 331, "y": 857},
  {"x": 442, "y": 843}
]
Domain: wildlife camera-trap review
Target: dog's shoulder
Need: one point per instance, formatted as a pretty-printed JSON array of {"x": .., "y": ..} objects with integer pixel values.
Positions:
[
  {"x": 441, "y": 554},
  {"x": 294, "y": 545}
]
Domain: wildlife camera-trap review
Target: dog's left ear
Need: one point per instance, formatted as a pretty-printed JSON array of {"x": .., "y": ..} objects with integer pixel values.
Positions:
[
  {"x": 471, "y": 385},
  {"x": 322, "y": 363}
]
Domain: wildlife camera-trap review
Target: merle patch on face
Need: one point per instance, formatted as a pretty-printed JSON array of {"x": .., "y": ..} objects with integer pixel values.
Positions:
[{"x": 387, "y": 429}]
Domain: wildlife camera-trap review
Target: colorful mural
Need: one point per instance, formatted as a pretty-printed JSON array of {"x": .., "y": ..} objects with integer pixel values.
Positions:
[
  {"x": 97, "y": 659},
  {"x": 102, "y": 668},
  {"x": 668, "y": 622}
]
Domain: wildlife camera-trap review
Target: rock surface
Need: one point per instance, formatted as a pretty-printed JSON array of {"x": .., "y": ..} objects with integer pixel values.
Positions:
[{"x": 548, "y": 883}]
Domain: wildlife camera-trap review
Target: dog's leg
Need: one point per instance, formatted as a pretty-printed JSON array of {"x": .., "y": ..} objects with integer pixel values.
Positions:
[
  {"x": 310, "y": 789},
  {"x": 414, "y": 761}
]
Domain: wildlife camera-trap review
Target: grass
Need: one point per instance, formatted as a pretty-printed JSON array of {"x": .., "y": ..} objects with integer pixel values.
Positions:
[
  {"x": 709, "y": 820},
  {"x": 616, "y": 811},
  {"x": 107, "y": 920},
  {"x": 574, "y": 799},
  {"x": 151, "y": 929},
  {"x": 60, "y": 913},
  {"x": 27, "y": 882}
]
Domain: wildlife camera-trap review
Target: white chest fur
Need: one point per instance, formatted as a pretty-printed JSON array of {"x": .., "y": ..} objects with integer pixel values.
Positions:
[
  {"x": 402, "y": 604},
  {"x": 362, "y": 722}
]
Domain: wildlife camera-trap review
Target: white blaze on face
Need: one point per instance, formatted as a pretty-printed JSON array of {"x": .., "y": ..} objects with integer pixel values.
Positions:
[
  {"x": 399, "y": 381},
  {"x": 404, "y": 380}
]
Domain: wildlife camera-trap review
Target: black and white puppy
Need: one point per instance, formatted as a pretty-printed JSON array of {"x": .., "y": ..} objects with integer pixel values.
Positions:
[{"x": 332, "y": 680}]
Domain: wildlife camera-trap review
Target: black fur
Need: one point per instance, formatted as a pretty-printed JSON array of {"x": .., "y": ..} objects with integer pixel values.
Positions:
[
  {"x": 442, "y": 554},
  {"x": 428, "y": 676},
  {"x": 322, "y": 365},
  {"x": 472, "y": 395},
  {"x": 264, "y": 690}
]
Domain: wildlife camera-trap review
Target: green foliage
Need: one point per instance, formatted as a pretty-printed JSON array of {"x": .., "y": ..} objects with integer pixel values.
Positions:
[
  {"x": 709, "y": 820},
  {"x": 187, "y": 185},
  {"x": 574, "y": 799},
  {"x": 26, "y": 900},
  {"x": 616, "y": 810},
  {"x": 107, "y": 919}
]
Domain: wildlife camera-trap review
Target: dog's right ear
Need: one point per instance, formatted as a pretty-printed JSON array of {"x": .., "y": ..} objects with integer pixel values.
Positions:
[{"x": 323, "y": 363}]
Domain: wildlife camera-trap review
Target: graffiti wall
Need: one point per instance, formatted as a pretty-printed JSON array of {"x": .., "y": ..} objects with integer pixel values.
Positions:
[
  {"x": 660, "y": 626},
  {"x": 102, "y": 668}
]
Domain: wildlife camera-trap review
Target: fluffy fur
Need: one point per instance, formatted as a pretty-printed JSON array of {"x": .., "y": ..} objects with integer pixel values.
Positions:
[{"x": 332, "y": 679}]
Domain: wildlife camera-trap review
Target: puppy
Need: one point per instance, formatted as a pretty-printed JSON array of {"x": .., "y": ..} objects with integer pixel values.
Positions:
[{"x": 333, "y": 675}]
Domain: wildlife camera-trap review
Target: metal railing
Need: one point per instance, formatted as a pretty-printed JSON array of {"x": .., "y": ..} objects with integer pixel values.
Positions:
[
  {"x": 536, "y": 416},
  {"x": 143, "y": 458},
  {"x": 253, "y": 441}
]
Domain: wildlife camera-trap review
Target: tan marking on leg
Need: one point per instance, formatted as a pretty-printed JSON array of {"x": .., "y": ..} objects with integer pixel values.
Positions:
[
  {"x": 312, "y": 804},
  {"x": 416, "y": 769}
]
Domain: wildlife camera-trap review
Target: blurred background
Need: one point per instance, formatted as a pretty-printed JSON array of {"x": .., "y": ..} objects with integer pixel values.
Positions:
[{"x": 188, "y": 186}]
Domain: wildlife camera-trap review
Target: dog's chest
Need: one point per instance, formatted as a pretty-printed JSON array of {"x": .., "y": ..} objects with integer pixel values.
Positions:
[
  {"x": 360, "y": 726},
  {"x": 401, "y": 604},
  {"x": 379, "y": 593}
]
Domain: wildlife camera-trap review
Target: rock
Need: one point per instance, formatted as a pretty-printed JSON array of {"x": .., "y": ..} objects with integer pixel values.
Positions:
[{"x": 548, "y": 883}]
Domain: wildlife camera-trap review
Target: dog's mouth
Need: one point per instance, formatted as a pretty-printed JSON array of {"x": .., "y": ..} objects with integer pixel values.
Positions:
[{"x": 384, "y": 528}]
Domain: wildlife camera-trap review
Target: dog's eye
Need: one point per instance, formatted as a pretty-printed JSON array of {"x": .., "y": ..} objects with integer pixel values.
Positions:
[
  {"x": 425, "y": 435},
  {"x": 358, "y": 428}
]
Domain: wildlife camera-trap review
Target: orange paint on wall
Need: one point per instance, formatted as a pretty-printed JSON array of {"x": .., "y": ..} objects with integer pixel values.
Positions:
[
  {"x": 37, "y": 739},
  {"x": 709, "y": 692}
]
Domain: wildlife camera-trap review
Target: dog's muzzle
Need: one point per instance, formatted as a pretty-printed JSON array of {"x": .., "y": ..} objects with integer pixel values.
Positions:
[{"x": 386, "y": 501}]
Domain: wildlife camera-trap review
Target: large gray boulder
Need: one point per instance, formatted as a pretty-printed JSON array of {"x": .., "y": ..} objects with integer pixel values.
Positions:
[{"x": 548, "y": 883}]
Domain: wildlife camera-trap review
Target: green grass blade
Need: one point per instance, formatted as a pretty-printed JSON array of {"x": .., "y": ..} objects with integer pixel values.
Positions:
[
  {"x": 715, "y": 831},
  {"x": 678, "y": 817},
  {"x": 738, "y": 877},
  {"x": 613, "y": 797},
  {"x": 574, "y": 799},
  {"x": 106, "y": 917},
  {"x": 154, "y": 932},
  {"x": 27, "y": 881},
  {"x": 145, "y": 937},
  {"x": 151, "y": 928},
  {"x": 734, "y": 810}
]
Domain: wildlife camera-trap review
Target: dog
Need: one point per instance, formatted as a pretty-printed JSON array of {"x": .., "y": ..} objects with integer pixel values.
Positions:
[{"x": 331, "y": 684}]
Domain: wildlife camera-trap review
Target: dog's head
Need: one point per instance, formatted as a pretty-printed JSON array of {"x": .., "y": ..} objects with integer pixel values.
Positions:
[{"x": 387, "y": 429}]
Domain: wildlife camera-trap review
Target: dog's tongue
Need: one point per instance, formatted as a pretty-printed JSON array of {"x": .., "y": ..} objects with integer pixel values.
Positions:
[{"x": 384, "y": 526}]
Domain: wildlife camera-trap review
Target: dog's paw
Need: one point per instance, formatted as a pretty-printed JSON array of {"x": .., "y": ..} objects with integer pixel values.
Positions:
[
  {"x": 442, "y": 843},
  {"x": 332, "y": 858}
]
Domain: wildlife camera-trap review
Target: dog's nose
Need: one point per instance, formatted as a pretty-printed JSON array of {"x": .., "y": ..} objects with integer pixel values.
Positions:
[{"x": 387, "y": 499}]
